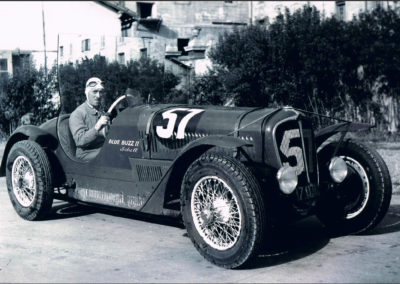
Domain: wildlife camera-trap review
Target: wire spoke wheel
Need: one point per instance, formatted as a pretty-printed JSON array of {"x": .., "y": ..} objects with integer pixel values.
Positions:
[
  {"x": 223, "y": 210},
  {"x": 216, "y": 213},
  {"x": 29, "y": 180},
  {"x": 23, "y": 181}
]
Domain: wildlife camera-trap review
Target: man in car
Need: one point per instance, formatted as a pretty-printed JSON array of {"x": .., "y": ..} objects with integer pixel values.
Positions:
[{"x": 87, "y": 121}]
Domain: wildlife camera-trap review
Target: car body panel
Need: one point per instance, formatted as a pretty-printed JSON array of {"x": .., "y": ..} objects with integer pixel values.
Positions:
[{"x": 148, "y": 147}]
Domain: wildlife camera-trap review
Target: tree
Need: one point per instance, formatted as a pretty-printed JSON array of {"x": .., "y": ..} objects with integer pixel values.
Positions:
[
  {"x": 46, "y": 97},
  {"x": 19, "y": 97},
  {"x": 239, "y": 63},
  {"x": 145, "y": 76},
  {"x": 344, "y": 69}
]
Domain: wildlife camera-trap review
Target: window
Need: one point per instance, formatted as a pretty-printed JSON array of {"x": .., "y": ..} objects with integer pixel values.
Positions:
[
  {"x": 182, "y": 42},
  {"x": 3, "y": 65},
  {"x": 85, "y": 45},
  {"x": 143, "y": 52},
  {"x": 61, "y": 51},
  {"x": 144, "y": 10},
  {"x": 341, "y": 10},
  {"x": 230, "y": 3},
  {"x": 125, "y": 33},
  {"x": 102, "y": 41},
  {"x": 121, "y": 58}
]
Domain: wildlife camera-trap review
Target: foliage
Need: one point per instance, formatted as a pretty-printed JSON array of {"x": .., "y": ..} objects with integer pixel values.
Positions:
[
  {"x": 307, "y": 61},
  {"x": 240, "y": 66},
  {"x": 27, "y": 91},
  {"x": 33, "y": 91},
  {"x": 145, "y": 76},
  {"x": 46, "y": 97},
  {"x": 18, "y": 98},
  {"x": 208, "y": 90}
]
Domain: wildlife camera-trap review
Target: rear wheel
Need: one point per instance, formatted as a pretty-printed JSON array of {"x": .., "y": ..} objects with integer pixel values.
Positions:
[
  {"x": 29, "y": 180},
  {"x": 223, "y": 210},
  {"x": 361, "y": 201}
]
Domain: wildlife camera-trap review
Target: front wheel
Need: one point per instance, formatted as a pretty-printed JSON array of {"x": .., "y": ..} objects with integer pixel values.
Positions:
[
  {"x": 29, "y": 180},
  {"x": 222, "y": 210},
  {"x": 361, "y": 201}
]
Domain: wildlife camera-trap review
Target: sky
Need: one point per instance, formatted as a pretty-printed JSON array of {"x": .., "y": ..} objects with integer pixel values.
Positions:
[{"x": 21, "y": 24}]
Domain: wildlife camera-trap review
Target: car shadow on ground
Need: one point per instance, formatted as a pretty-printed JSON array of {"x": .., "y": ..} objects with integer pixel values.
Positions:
[
  {"x": 389, "y": 224},
  {"x": 282, "y": 245},
  {"x": 309, "y": 236},
  {"x": 63, "y": 210},
  {"x": 290, "y": 243}
]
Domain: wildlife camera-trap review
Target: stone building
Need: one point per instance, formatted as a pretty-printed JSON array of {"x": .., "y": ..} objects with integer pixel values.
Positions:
[
  {"x": 264, "y": 12},
  {"x": 10, "y": 60},
  {"x": 180, "y": 33},
  {"x": 346, "y": 10},
  {"x": 176, "y": 33}
]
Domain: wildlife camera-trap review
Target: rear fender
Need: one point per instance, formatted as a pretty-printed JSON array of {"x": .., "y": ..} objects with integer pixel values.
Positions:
[
  {"x": 27, "y": 132},
  {"x": 322, "y": 135}
]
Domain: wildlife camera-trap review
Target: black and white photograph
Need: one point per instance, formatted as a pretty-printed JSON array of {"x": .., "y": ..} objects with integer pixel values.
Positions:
[{"x": 199, "y": 142}]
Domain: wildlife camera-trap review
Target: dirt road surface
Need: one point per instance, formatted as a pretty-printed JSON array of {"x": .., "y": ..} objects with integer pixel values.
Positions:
[{"x": 82, "y": 244}]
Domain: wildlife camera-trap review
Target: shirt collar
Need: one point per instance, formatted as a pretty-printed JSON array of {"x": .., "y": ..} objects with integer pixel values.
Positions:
[{"x": 91, "y": 109}]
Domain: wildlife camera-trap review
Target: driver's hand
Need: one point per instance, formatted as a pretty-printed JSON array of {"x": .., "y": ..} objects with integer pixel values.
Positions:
[{"x": 103, "y": 121}]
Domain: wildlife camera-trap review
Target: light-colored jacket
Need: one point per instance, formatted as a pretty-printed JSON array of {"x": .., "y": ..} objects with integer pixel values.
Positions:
[{"x": 87, "y": 139}]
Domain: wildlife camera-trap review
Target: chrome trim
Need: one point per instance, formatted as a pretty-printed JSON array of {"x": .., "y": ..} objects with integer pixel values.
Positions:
[
  {"x": 304, "y": 150},
  {"x": 366, "y": 185}
]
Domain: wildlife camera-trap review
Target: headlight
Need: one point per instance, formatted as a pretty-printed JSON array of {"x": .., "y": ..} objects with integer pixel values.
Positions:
[
  {"x": 287, "y": 178},
  {"x": 338, "y": 169}
]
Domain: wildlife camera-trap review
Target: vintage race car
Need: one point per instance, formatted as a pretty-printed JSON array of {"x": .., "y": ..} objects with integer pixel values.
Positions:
[{"x": 230, "y": 173}]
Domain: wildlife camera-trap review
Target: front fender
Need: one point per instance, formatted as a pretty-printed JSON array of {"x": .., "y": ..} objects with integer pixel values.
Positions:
[
  {"x": 323, "y": 134},
  {"x": 170, "y": 185},
  {"x": 199, "y": 146},
  {"x": 27, "y": 132}
]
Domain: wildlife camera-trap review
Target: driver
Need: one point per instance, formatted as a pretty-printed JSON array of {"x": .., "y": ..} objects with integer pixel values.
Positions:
[{"x": 87, "y": 120}]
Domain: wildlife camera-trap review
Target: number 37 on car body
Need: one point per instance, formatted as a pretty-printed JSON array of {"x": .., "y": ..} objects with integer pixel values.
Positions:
[{"x": 171, "y": 116}]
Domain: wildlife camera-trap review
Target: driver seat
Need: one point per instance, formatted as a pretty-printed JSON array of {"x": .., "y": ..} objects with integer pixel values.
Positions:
[{"x": 65, "y": 136}]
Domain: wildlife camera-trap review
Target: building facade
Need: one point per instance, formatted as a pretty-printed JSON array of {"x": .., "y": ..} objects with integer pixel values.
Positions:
[
  {"x": 264, "y": 12},
  {"x": 346, "y": 10},
  {"x": 176, "y": 33},
  {"x": 11, "y": 60},
  {"x": 180, "y": 33}
]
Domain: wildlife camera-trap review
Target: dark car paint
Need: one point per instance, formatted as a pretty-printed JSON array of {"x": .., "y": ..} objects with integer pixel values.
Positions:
[{"x": 136, "y": 166}]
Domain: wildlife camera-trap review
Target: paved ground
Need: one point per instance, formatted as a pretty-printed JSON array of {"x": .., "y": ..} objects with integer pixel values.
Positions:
[{"x": 79, "y": 244}]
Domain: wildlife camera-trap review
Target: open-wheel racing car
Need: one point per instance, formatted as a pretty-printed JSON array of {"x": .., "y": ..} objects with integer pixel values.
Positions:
[{"x": 230, "y": 173}]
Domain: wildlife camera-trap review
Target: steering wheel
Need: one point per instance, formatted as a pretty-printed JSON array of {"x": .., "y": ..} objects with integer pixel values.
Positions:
[{"x": 104, "y": 130}]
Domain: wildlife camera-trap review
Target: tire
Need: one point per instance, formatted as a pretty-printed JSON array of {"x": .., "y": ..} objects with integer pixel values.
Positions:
[
  {"x": 29, "y": 180},
  {"x": 227, "y": 192},
  {"x": 362, "y": 200}
]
